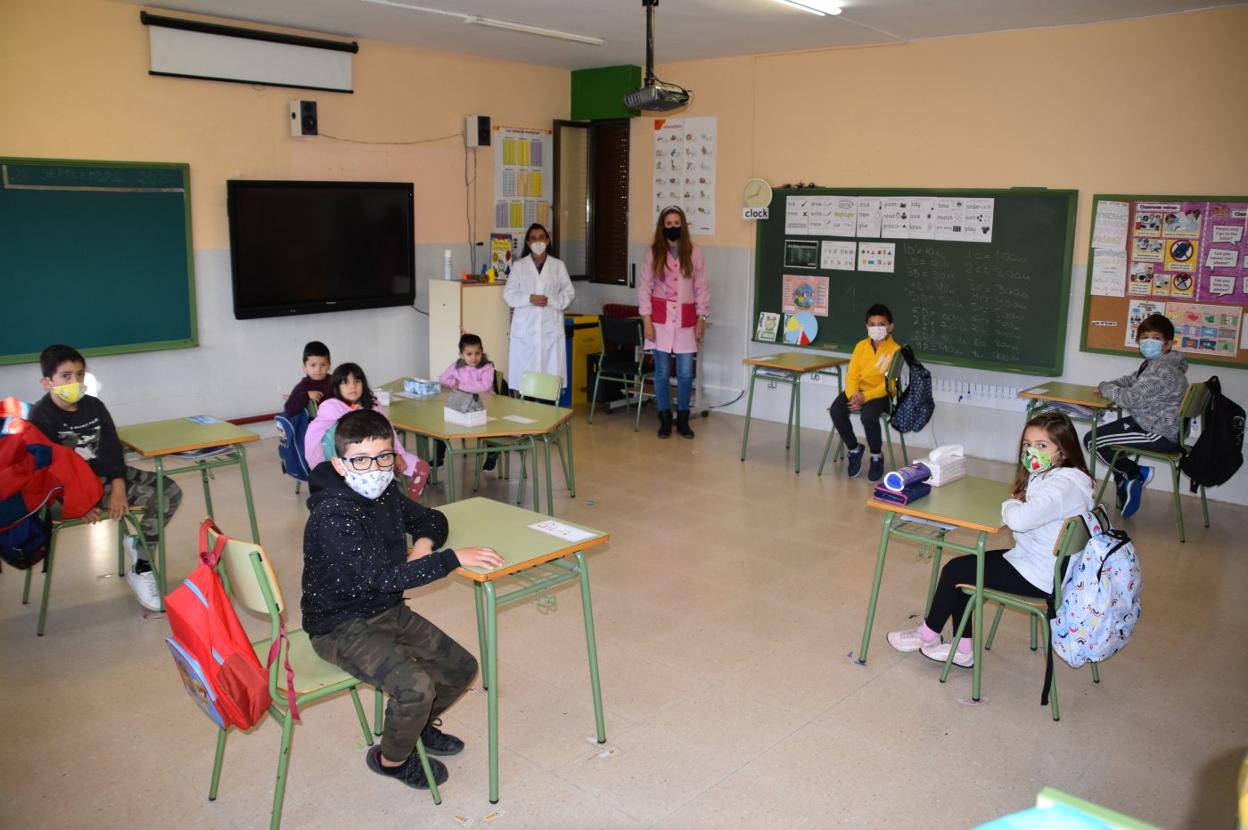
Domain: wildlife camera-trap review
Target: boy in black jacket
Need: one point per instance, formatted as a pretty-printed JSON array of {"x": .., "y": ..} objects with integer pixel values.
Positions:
[{"x": 356, "y": 566}]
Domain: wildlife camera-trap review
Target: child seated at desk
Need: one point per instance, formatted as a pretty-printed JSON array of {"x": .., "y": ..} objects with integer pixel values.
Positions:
[
  {"x": 866, "y": 392},
  {"x": 1152, "y": 395},
  {"x": 348, "y": 390},
  {"x": 356, "y": 566},
  {"x": 315, "y": 383},
  {"x": 472, "y": 372},
  {"x": 1052, "y": 485},
  {"x": 69, "y": 416}
]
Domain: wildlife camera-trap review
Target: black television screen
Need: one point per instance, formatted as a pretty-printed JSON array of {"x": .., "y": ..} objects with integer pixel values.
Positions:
[{"x": 308, "y": 247}]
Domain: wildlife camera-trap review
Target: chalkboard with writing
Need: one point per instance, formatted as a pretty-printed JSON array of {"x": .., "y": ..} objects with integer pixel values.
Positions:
[
  {"x": 97, "y": 255},
  {"x": 985, "y": 284}
]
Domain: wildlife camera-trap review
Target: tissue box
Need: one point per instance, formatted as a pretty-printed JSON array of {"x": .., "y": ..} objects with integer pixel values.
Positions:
[
  {"x": 421, "y": 386},
  {"x": 946, "y": 471},
  {"x": 465, "y": 419}
]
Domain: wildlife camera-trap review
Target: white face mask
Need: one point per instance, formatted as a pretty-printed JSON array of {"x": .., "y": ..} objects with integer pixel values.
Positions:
[
  {"x": 877, "y": 333},
  {"x": 370, "y": 484},
  {"x": 537, "y": 248}
]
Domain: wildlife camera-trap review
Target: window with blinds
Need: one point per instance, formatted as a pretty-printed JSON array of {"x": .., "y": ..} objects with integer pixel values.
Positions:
[{"x": 591, "y": 199}]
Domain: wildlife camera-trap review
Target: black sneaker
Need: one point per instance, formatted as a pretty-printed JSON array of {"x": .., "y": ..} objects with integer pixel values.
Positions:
[
  {"x": 491, "y": 461},
  {"x": 875, "y": 471},
  {"x": 854, "y": 457},
  {"x": 438, "y": 742},
  {"x": 1120, "y": 486},
  {"x": 409, "y": 772}
]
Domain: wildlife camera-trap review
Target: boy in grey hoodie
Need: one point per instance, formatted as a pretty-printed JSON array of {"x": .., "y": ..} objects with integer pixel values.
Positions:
[{"x": 1152, "y": 396}]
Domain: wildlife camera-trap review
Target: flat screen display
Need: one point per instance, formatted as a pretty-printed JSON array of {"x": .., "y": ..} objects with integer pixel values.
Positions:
[{"x": 309, "y": 247}]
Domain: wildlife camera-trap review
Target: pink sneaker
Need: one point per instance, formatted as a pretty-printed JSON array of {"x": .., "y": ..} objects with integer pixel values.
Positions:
[
  {"x": 910, "y": 639},
  {"x": 940, "y": 652}
]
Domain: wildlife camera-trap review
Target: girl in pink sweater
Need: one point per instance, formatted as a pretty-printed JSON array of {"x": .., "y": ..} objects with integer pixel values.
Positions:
[{"x": 472, "y": 372}]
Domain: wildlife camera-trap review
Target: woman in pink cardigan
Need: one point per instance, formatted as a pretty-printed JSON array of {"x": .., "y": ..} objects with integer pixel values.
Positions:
[{"x": 673, "y": 298}]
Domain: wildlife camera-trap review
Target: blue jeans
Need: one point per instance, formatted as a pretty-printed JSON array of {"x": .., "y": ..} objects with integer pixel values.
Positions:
[{"x": 663, "y": 378}]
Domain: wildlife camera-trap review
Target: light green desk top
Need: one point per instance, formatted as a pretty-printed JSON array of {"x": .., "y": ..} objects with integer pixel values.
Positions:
[
  {"x": 1072, "y": 393},
  {"x": 425, "y": 416},
  {"x": 481, "y": 522},
  {"x": 181, "y": 435},
  {"x": 796, "y": 361},
  {"x": 973, "y": 503}
]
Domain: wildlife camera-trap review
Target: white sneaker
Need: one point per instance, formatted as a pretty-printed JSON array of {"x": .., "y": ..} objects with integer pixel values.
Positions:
[
  {"x": 909, "y": 640},
  {"x": 940, "y": 652},
  {"x": 143, "y": 584}
]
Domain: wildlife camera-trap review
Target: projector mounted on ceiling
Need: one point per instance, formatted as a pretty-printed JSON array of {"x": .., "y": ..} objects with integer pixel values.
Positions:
[{"x": 655, "y": 95}]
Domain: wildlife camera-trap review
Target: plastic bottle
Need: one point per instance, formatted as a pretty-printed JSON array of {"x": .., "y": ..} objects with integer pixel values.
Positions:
[{"x": 447, "y": 268}]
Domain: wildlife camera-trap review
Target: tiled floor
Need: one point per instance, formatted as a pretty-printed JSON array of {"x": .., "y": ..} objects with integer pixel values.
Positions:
[{"x": 727, "y": 605}]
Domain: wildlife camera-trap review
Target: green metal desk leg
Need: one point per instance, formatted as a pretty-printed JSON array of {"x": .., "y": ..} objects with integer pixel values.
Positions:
[
  {"x": 1092, "y": 460},
  {"x": 572, "y": 470},
  {"x": 47, "y": 581},
  {"x": 788, "y": 425},
  {"x": 160, "y": 528},
  {"x": 491, "y": 672},
  {"x": 203, "y": 476},
  {"x": 480, "y": 603},
  {"x": 978, "y": 642},
  {"x": 591, "y": 646},
  {"x": 749, "y": 407},
  {"x": 796, "y": 402},
  {"x": 251, "y": 508},
  {"x": 452, "y": 457},
  {"x": 875, "y": 585},
  {"x": 550, "y": 487}
]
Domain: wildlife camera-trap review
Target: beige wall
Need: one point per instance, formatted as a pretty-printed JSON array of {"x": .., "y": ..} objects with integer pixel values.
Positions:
[
  {"x": 74, "y": 84},
  {"x": 1154, "y": 105}
]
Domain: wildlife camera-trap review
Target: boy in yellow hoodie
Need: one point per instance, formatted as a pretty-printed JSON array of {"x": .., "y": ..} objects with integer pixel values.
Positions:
[{"x": 866, "y": 392}]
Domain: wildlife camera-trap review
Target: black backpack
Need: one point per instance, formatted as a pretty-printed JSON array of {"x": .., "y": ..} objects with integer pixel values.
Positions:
[
  {"x": 915, "y": 404},
  {"x": 1219, "y": 451}
]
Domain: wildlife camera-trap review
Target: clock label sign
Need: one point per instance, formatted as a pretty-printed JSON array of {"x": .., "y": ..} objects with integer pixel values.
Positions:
[{"x": 756, "y": 213}]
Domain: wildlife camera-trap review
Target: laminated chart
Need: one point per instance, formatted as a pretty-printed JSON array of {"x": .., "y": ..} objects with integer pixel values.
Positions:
[{"x": 522, "y": 178}]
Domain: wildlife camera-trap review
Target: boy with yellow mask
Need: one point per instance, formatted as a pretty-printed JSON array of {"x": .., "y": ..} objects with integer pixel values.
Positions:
[{"x": 71, "y": 417}]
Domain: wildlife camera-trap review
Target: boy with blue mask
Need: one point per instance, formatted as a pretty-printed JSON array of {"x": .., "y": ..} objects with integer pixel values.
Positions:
[
  {"x": 356, "y": 566},
  {"x": 1152, "y": 396}
]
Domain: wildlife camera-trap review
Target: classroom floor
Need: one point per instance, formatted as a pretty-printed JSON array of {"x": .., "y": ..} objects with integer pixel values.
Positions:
[{"x": 728, "y": 605}]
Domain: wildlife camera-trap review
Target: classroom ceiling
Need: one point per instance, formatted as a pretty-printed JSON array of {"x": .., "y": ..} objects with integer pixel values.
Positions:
[{"x": 685, "y": 29}]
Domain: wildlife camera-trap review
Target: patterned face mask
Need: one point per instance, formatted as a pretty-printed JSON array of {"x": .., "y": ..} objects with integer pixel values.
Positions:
[
  {"x": 68, "y": 392},
  {"x": 371, "y": 484},
  {"x": 1036, "y": 461}
]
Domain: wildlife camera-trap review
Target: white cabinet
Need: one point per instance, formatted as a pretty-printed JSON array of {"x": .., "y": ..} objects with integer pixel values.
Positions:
[{"x": 457, "y": 308}]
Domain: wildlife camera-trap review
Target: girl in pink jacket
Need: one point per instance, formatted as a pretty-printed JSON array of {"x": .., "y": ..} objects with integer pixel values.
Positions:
[
  {"x": 673, "y": 297},
  {"x": 473, "y": 372},
  {"x": 348, "y": 390}
]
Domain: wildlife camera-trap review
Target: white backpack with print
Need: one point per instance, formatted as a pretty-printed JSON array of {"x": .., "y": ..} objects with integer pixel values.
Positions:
[{"x": 1100, "y": 598}]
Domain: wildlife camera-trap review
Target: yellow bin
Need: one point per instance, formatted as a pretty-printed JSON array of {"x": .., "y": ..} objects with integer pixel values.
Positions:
[{"x": 585, "y": 341}]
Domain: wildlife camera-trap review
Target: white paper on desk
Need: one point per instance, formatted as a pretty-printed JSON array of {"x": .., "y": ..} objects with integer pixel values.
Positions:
[
  {"x": 203, "y": 419},
  {"x": 520, "y": 419},
  {"x": 562, "y": 531},
  {"x": 1109, "y": 228}
]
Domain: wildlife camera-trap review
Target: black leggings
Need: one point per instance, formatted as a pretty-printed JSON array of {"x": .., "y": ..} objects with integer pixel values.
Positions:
[
  {"x": 870, "y": 413},
  {"x": 1125, "y": 432},
  {"x": 950, "y": 602}
]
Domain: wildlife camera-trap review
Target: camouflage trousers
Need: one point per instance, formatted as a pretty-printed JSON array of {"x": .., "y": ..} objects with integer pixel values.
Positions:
[
  {"x": 420, "y": 668},
  {"x": 141, "y": 492}
]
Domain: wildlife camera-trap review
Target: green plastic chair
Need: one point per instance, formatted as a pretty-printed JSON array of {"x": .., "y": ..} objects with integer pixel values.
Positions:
[
  {"x": 545, "y": 388},
  {"x": 251, "y": 582},
  {"x": 1071, "y": 540},
  {"x": 621, "y": 366},
  {"x": 891, "y": 383},
  {"x": 129, "y": 519},
  {"x": 1193, "y": 406}
]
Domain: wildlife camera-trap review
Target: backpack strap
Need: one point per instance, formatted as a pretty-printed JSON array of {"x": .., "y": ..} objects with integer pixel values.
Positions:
[
  {"x": 282, "y": 644},
  {"x": 1048, "y": 654},
  {"x": 211, "y": 557}
]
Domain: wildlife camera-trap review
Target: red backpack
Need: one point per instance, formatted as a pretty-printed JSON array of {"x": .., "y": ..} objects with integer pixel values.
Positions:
[{"x": 218, "y": 665}]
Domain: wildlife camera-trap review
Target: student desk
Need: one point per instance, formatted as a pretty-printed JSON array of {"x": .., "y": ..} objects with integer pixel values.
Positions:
[
  {"x": 971, "y": 503},
  {"x": 157, "y": 439},
  {"x": 424, "y": 417},
  {"x": 788, "y": 367},
  {"x": 536, "y": 559},
  {"x": 1040, "y": 397}
]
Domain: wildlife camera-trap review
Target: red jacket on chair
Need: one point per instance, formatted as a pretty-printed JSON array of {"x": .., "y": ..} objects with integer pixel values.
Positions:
[{"x": 33, "y": 469}]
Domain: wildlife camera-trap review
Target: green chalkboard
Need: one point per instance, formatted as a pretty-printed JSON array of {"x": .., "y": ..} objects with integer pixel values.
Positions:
[
  {"x": 96, "y": 254},
  {"x": 994, "y": 297}
]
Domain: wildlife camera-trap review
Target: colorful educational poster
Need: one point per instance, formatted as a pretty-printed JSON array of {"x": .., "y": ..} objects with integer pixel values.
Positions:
[
  {"x": 1148, "y": 217},
  {"x": 1136, "y": 312},
  {"x": 895, "y": 217},
  {"x": 685, "y": 151},
  {"x": 835, "y": 255},
  {"x": 1206, "y": 329},
  {"x": 1109, "y": 227},
  {"x": 523, "y": 178},
  {"x": 1183, "y": 286},
  {"x": 1148, "y": 249},
  {"x": 877, "y": 256},
  {"x": 868, "y": 217},
  {"x": 803, "y": 293},
  {"x": 922, "y": 221},
  {"x": 1108, "y": 272},
  {"x": 977, "y": 220},
  {"x": 797, "y": 215},
  {"x": 502, "y": 253},
  {"x": 800, "y": 329},
  {"x": 801, "y": 253},
  {"x": 1184, "y": 222},
  {"x": 1140, "y": 280},
  {"x": 1223, "y": 275},
  {"x": 768, "y": 326},
  {"x": 1181, "y": 255}
]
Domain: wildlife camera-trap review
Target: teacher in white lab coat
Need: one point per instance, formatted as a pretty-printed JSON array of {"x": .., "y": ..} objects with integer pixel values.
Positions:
[{"x": 538, "y": 291}]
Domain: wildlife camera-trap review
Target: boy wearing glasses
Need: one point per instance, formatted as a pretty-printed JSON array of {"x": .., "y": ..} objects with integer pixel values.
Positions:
[{"x": 356, "y": 566}]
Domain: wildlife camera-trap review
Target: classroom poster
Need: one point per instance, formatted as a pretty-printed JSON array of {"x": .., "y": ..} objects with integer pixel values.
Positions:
[
  {"x": 1223, "y": 276},
  {"x": 869, "y": 217},
  {"x": 921, "y": 223},
  {"x": 502, "y": 253},
  {"x": 1108, "y": 268},
  {"x": 802, "y": 293},
  {"x": 1204, "y": 329},
  {"x": 894, "y": 217},
  {"x": 797, "y": 215},
  {"x": 1136, "y": 312},
  {"x": 819, "y": 215},
  {"x": 768, "y": 326},
  {"x": 844, "y": 216},
  {"x": 522, "y": 178},
  {"x": 685, "y": 151},
  {"x": 836, "y": 255},
  {"x": 1109, "y": 227},
  {"x": 977, "y": 220},
  {"x": 947, "y": 219},
  {"x": 877, "y": 256},
  {"x": 801, "y": 253}
]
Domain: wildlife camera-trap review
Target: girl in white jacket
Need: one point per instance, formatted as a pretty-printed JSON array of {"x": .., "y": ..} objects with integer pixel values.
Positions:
[{"x": 1052, "y": 486}]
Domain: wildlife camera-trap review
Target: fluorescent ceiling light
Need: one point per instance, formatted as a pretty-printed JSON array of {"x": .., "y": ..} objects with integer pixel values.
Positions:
[
  {"x": 819, "y": 7},
  {"x": 477, "y": 20}
]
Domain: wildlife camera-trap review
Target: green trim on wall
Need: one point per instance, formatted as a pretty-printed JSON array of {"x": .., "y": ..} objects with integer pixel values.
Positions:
[{"x": 599, "y": 93}]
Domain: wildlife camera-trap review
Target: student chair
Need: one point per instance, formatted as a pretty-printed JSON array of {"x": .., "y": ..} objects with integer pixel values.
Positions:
[
  {"x": 1072, "y": 539},
  {"x": 544, "y": 388},
  {"x": 129, "y": 519},
  {"x": 251, "y": 582},
  {"x": 625, "y": 363},
  {"x": 1193, "y": 406},
  {"x": 893, "y": 383}
]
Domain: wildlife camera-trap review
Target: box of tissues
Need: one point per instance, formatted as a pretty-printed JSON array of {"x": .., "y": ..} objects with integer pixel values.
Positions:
[{"x": 421, "y": 386}]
